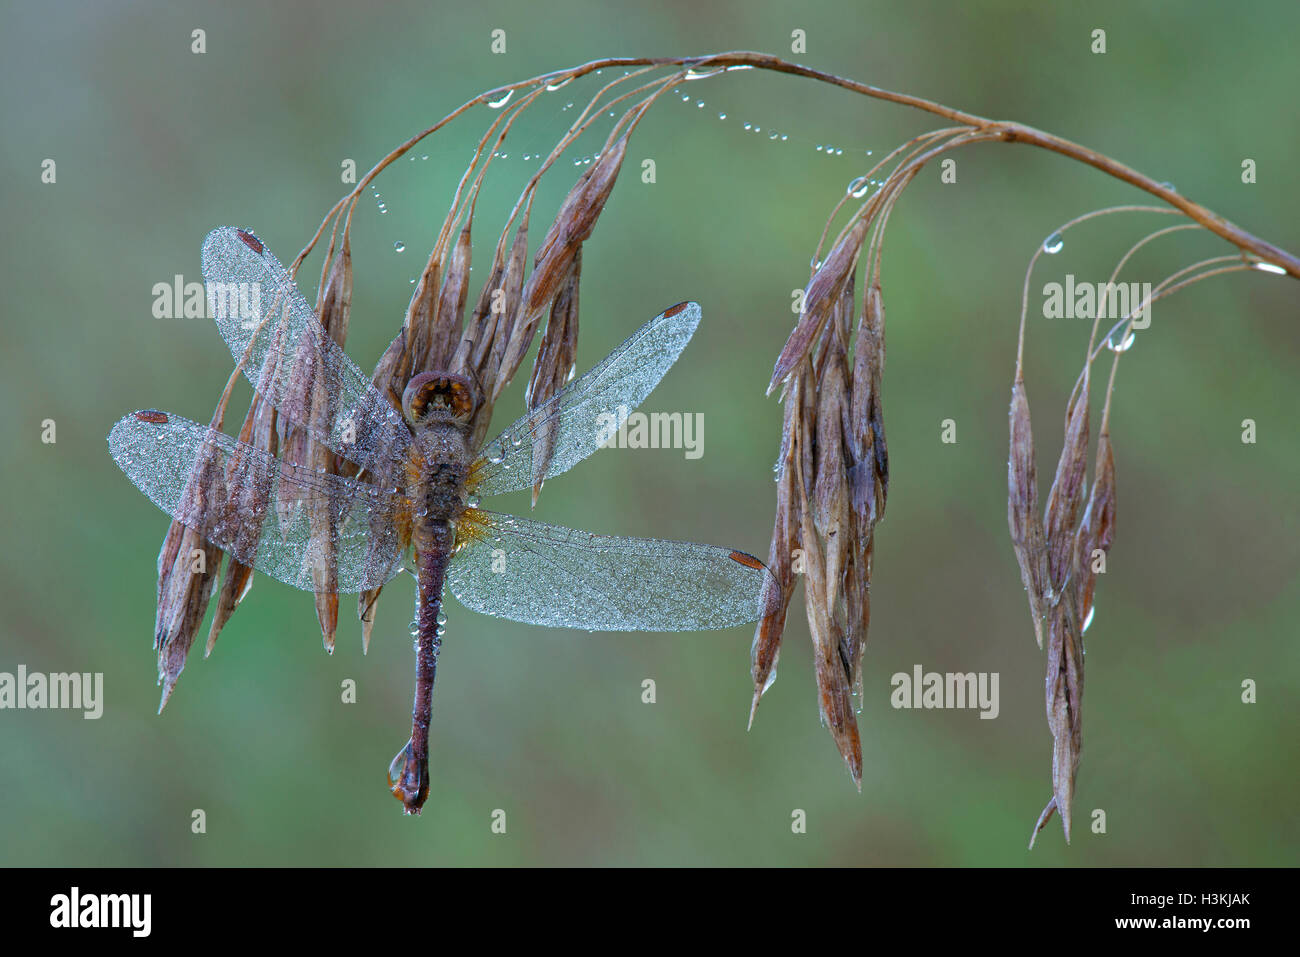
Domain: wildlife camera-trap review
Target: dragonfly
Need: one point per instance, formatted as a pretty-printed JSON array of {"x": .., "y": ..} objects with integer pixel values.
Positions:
[{"x": 425, "y": 515}]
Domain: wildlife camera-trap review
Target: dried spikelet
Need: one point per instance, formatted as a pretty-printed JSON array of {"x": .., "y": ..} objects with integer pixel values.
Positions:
[
  {"x": 484, "y": 341},
  {"x": 572, "y": 227},
  {"x": 766, "y": 647},
  {"x": 446, "y": 330},
  {"x": 834, "y": 693},
  {"x": 554, "y": 363},
  {"x": 188, "y": 568},
  {"x": 246, "y": 505},
  {"x": 865, "y": 429},
  {"x": 390, "y": 376},
  {"x": 830, "y": 500},
  {"x": 333, "y": 308},
  {"x": 857, "y": 606},
  {"x": 1061, "y": 516},
  {"x": 1097, "y": 529},
  {"x": 1027, "y": 536},
  {"x": 495, "y": 372},
  {"x": 307, "y": 399},
  {"x": 823, "y": 292},
  {"x": 1064, "y": 694},
  {"x": 421, "y": 313}
]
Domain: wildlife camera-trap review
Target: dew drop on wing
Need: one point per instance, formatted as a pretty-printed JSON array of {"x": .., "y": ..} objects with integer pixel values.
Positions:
[{"x": 1053, "y": 244}]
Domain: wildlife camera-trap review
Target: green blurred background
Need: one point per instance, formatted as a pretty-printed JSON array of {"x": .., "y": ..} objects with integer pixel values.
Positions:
[{"x": 156, "y": 145}]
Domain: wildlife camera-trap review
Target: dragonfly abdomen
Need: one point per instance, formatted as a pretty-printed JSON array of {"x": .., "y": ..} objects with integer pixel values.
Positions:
[{"x": 432, "y": 540}]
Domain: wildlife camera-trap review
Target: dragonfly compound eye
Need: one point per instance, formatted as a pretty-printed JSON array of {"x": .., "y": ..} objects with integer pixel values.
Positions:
[{"x": 441, "y": 393}]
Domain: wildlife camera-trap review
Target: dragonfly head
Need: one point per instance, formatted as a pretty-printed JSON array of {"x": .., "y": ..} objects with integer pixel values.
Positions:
[{"x": 439, "y": 396}]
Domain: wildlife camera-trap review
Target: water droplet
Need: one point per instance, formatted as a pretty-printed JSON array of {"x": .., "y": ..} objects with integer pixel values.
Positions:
[
  {"x": 398, "y": 765},
  {"x": 497, "y": 104},
  {"x": 722, "y": 116},
  {"x": 425, "y": 156},
  {"x": 698, "y": 74},
  {"x": 1052, "y": 244},
  {"x": 399, "y": 246},
  {"x": 517, "y": 441},
  {"x": 859, "y": 187},
  {"x": 839, "y": 152},
  {"x": 472, "y": 501},
  {"x": 1117, "y": 346},
  {"x": 773, "y": 135},
  {"x": 1088, "y": 621},
  {"x": 819, "y": 147},
  {"x": 749, "y": 126},
  {"x": 686, "y": 98},
  {"x": 784, "y": 137},
  {"x": 1169, "y": 186},
  {"x": 1269, "y": 267},
  {"x": 559, "y": 84}
]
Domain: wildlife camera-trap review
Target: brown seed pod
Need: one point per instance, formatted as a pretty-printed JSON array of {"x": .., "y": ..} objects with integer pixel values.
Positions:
[
  {"x": 824, "y": 290},
  {"x": 1064, "y": 502},
  {"x": 1027, "y": 536},
  {"x": 188, "y": 569},
  {"x": 1097, "y": 528},
  {"x": 555, "y": 358}
]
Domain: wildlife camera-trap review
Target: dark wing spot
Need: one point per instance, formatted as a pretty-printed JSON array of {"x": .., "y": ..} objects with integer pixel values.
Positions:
[
  {"x": 669, "y": 313},
  {"x": 749, "y": 561},
  {"x": 251, "y": 241},
  {"x": 153, "y": 415}
]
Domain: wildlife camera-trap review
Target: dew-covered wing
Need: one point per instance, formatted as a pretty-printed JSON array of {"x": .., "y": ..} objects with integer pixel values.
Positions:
[
  {"x": 291, "y": 360},
  {"x": 565, "y": 578},
  {"x": 591, "y": 409},
  {"x": 158, "y": 452}
]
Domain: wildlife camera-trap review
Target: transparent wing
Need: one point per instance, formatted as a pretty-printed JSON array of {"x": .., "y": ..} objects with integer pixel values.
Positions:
[
  {"x": 565, "y": 578},
  {"x": 293, "y": 362},
  {"x": 159, "y": 451},
  {"x": 591, "y": 409}
]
